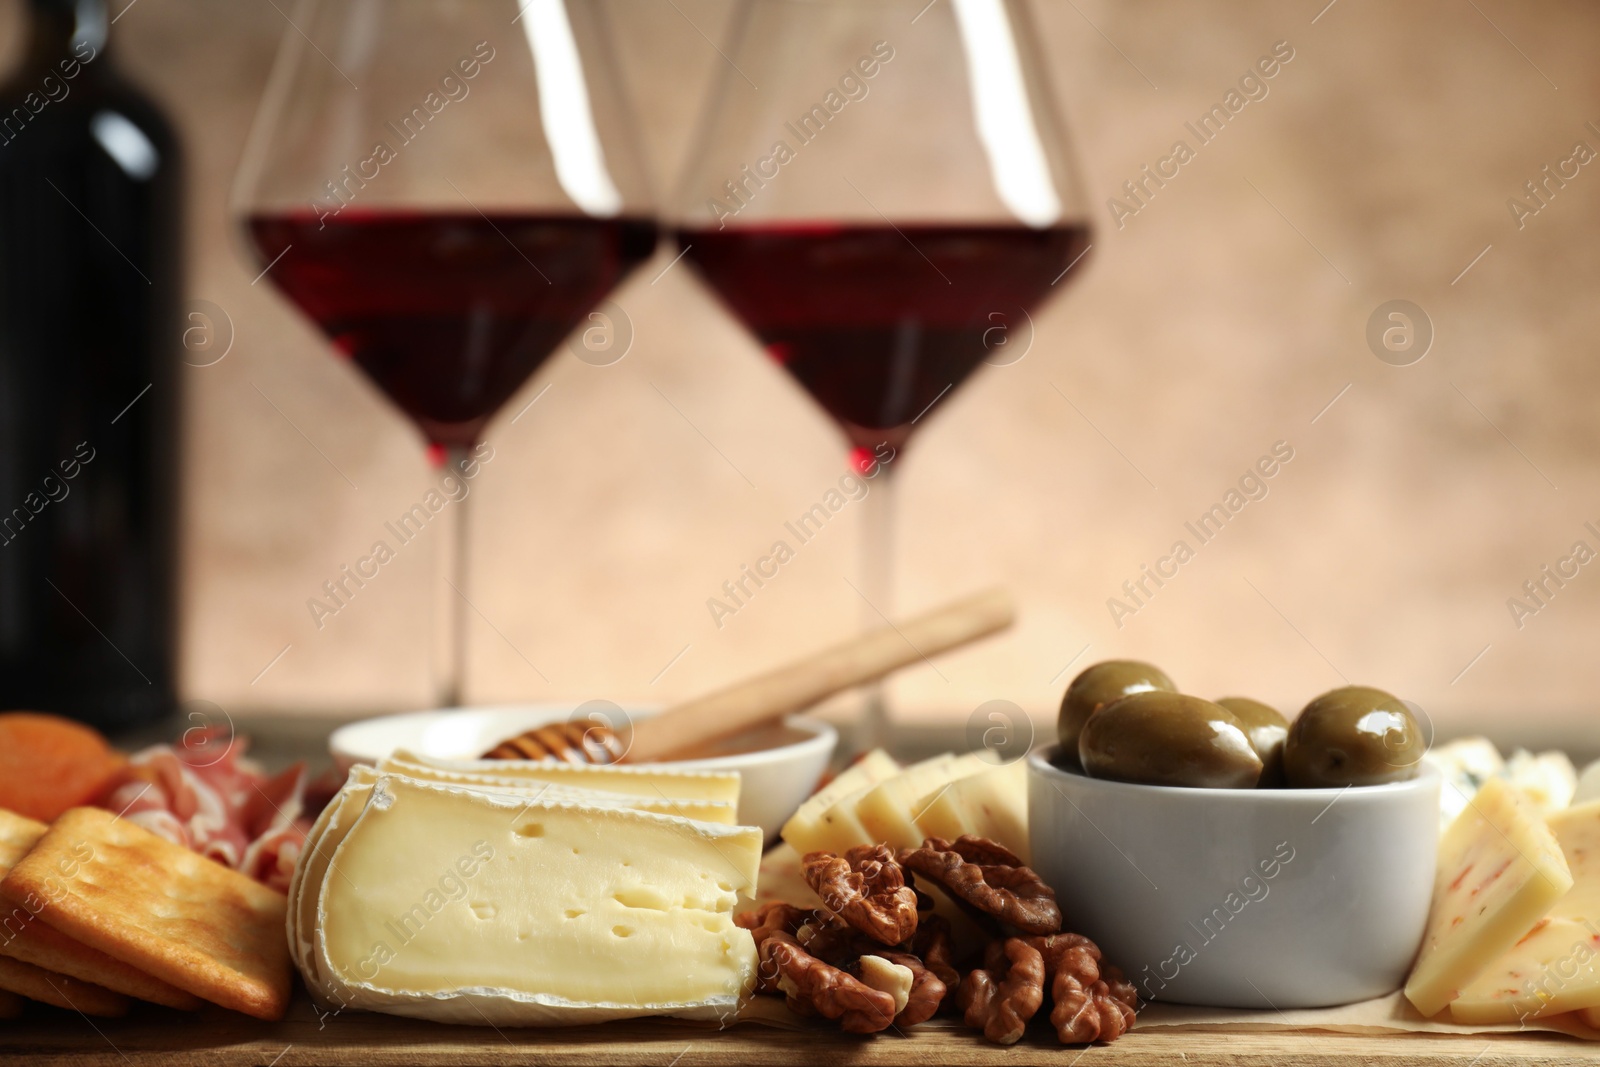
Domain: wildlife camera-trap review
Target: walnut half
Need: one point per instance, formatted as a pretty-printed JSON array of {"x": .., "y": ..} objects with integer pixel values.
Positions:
[
  {"x": 1011, "y": 893},
  {"x": 867, "y": 889},
  {"x": 1000, "y": 1002},
  {"x": 817, "y": 988}
]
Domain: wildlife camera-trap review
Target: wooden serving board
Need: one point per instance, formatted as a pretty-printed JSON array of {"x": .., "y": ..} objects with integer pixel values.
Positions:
[{"x": 50, "y": 1038}]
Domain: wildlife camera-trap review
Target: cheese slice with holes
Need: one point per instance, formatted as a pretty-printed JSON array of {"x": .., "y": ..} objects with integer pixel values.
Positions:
[
  {"x": 335, "y": 819},
  {"x": 806, "y": 828},
  {"x": 462, "y": 905},
  {"x": 1555, "y": 967},
  {"x": 992, "y": 803},
  {"x": 722, "y": 811},
  {"x": 1500, "y": 870},
  {"x": 649, "y": 781}
]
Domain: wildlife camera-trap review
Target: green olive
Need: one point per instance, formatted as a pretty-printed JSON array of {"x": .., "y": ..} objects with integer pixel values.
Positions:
[
  {"x": 1099, "y": 685},
  {"x": 1266, "y": 729},
  {"x": 1356, "y": 735},
  {"x": 1163, "y": 738}
]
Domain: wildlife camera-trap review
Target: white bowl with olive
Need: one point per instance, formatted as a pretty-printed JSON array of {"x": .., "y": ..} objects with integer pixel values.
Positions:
[{"x": 1225, "y": 856}]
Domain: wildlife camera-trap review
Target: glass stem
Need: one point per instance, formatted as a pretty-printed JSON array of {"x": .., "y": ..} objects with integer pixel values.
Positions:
[
  {"x": 449, "y": 651},
  {"x": 877, "y": 587}
]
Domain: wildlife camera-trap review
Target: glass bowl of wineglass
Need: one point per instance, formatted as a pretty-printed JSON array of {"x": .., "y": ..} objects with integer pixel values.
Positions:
[
  {"x": 881, "y": 191},
  {"x": 446, "y": 190}
]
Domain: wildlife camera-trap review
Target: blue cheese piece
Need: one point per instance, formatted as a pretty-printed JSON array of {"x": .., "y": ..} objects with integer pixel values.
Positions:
[
  {"x": 461, "y": 905},
  {"x": 1588, "y": 787},
  {"x": 1548, "y": 779}
]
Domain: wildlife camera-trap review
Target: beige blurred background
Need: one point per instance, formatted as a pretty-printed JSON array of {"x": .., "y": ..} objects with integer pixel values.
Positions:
[{"x": 1224, "y": 317}]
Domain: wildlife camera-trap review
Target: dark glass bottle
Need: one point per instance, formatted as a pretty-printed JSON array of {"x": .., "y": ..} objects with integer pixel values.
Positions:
[{"x": 89, "y": 276}]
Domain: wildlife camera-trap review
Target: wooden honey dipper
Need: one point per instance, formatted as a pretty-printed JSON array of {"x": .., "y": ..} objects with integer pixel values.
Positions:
[{"x": 769, "y": 696}]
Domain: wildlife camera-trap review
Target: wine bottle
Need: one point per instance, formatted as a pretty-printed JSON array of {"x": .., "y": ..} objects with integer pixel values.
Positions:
[{"x": 89, "y": 275}]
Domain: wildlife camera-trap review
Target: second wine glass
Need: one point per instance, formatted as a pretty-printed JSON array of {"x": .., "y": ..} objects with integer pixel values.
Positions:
[
  {"x": 881, "y": 192},
  {"x": 447, "y": 190}
]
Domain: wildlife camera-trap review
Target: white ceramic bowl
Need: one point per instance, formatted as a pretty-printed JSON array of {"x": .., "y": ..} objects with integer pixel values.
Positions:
[
  {"x": 775, "y": 778},
  {"x": 1241, "y": 898}
]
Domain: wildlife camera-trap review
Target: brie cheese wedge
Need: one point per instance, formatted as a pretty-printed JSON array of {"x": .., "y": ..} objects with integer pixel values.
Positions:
[{"x": 461, "y": 904}]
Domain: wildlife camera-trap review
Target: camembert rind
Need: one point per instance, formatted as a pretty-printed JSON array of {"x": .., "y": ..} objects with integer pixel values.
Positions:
[
  {"x": 1555, "y": 967},
  {"x": 705, "y": 810},
  {"x": 305, "y": 887},
  {"x": 636, "y": 781},
  {"x": 457, "y": 905},
  {"x": 1500, "y": 870}
]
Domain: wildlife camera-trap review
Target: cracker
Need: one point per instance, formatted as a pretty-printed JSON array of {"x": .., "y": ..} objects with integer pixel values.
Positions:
[
  {"x": 10, "y": 1005},
  {"x": 23, "y": 937},
  {"x": 157, "y": 906},
  {"x": 36, "y": 983},
  {"x": 18, "y": 834}
]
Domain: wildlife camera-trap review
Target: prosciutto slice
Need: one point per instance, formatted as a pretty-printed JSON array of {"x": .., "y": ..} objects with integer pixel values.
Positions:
[{"x": 203, "y": 794}]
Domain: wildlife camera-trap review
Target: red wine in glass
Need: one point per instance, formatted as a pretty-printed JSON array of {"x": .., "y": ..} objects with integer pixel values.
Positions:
[
  {"x": 879, "y": 322},
  {"x": 448, "y": 313}
]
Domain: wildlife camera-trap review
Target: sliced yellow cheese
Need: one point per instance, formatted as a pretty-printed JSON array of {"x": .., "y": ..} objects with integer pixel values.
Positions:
[
  {"x": 460, "y": 905},
  {"x": 721, "y": 811},
  {"x": 1500, "y": 869},
  {"x": 992, "y": 804},
  {"x": 888, "y": 810},
  {"x": 1590, "y": 1017},
  {"x": 805, "y": 827},
  {"x": 652, "y": 781},
  {"x": 840, "y": 826},
  {"x": 1556, "y": 965}
]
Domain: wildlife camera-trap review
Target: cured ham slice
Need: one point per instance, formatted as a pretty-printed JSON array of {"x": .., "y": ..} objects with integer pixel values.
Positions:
[{"x": 204, "y": 795}]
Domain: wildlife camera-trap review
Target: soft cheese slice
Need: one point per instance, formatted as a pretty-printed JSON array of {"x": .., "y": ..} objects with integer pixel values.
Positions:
[
  {"x": 805, "y": 825},
  {"x": 647, "y": 781},
  {"x": 1500, "y": 870},
  {"x": 311, "y": 871},
  {"x": 1556, "y": 965},
  {"x": 840, "y": 826},
  {"x": 721, "y": 811},
  {"x": 888, "y": 810},
  {"x": 992, "y": 804},
  {"x": 334, "y": 823},
  {"x": 465, "y": 906}
]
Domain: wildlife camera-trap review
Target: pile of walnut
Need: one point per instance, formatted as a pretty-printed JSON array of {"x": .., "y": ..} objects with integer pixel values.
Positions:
[{"x": 875, "y": 955}]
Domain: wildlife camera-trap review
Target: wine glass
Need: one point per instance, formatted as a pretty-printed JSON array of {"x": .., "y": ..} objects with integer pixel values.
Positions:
[
  {"x": 881, "y": 191},
  {"x": 446, "y": 189}
]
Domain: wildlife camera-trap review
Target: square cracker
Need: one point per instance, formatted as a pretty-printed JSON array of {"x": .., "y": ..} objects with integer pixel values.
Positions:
[
  {"x": 23, "y": 937},
  {"x": 157, "y": 906},
  {"x": 36, "y": 983}
]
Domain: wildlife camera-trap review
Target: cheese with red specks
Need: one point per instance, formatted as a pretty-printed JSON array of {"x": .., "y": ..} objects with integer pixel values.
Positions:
[
  {"x": 1556, "y": 965},
  {"x": 1500, "y": 871}
]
